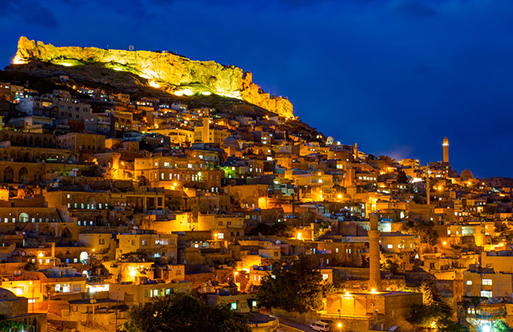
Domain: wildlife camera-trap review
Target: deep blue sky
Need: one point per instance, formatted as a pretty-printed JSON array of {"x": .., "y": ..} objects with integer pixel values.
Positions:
[{"x": 396, "y": 76}]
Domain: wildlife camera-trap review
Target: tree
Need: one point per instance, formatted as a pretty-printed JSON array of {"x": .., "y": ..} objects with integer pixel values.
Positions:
[
  {"x": 183, "y": 312},
  {"x": 401, "y": 177},
  {"x": 500, "y": 326},
  {"x": 391, "y": 266},
  {"x": 423, "y": 229},
  {"x": 31, "y": 264},
  {"x": 142, "y": 181},
  {"x": 295, "y": 289},
  {"x": 433, "y": 312}
]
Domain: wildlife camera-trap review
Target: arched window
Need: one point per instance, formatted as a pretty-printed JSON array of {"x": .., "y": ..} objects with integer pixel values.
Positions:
[{"x": 24, "y": 217}]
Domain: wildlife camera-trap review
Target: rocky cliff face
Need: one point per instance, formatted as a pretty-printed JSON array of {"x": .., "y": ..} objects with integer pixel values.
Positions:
[{"x": 166, "y": 71}]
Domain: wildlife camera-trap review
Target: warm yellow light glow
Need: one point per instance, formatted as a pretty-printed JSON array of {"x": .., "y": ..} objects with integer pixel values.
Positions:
[
  {"x": 132, "y": 272},
  {"x": 373, "y": 291},
  {"x": 187, "y": 92},
  {"x": 98, "y": 288},
  {"x": 444, "y": 243},
  {"x": 178, "y": 93},
  {"x": 41, "y": 254},
  {"x": 206, "y": 93},
  {"x": 18, "y": 60},
  {"x": 154, "y": 84},
  {"x": 65, "y": 64},
  {"x": 339, "y": 325},
  {"x": 262, "y": 202},
  {"x": 299, "y": 235},
  {"x": 339, "y": 196}
]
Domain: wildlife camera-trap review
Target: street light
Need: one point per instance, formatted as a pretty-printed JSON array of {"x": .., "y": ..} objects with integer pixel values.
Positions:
[{"x": 339, "y": 325}]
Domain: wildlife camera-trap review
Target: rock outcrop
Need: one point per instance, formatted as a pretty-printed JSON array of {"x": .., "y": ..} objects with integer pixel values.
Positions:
[{"x": 166, "y": 71}]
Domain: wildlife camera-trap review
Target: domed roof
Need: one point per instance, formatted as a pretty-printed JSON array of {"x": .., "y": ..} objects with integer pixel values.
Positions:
[
  {"x": 466, "y": 174},
  {"x": 231, "y": 142},
  {"x": 330, "y": 140},
  {"x": 6, "y": 294}
]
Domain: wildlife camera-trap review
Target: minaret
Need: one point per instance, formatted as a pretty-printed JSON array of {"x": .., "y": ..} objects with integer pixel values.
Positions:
[
  {"x": 374, "y": 272},
  {"x": 445, "y": 145},
  {"x": 355, "y": 151},
  {"x": 428, "y": 189},
  {"x": 206, "y": 127}
]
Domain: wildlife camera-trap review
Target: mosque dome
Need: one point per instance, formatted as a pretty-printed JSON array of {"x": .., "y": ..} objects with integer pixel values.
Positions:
[
  {"x": 231, "y": 142},
  {"x": 466, "y": 174}
]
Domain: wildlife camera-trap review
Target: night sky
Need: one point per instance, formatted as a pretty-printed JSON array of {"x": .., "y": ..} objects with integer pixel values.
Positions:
[{"x": 394, "y": 76}]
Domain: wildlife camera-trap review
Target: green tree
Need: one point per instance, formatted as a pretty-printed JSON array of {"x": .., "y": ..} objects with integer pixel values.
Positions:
[
  {"x": 183, "y": 312},
  {"x": 423, "y": 229},
  {"x": 500, "y": 326},
  {"x": 433, "y": 312},
  {"x": 295, "y": 289}
]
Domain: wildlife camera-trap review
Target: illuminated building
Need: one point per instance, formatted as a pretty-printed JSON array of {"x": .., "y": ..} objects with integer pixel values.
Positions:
[
  {"x": 159, "y": 246},
  {"x": 17, "y": 309}
]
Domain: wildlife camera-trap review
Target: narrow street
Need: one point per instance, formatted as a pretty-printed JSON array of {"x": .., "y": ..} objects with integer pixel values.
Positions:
[{"x": 287, "y": 325}]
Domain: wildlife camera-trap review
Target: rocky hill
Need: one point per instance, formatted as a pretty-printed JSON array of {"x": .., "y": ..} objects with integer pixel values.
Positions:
[
  {"x": 499, "y": 182},
  {"x": 168, "y": 72}
]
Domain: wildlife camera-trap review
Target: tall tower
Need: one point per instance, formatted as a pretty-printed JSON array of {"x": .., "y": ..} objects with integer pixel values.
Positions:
[
  {"x": 374, "y": 234},
  {"x": 445, "y": 145},
  {"x": 206, "y": 127}
]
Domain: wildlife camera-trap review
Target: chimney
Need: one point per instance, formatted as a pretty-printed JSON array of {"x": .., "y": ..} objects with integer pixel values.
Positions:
[{"x": 374, "y": 270}]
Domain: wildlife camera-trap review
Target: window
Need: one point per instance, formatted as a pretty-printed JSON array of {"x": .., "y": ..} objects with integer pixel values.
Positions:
[
  {"x": 486, "y": 282},
  {"x": 469, "y": 282},
  {"x": 325, "y": 276},
  {"x": 390, "y": 246},
  {"x": 143, "y": 242},
  {"x": 233, "y": 305},
  {"x": 485, "y": 293}
]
